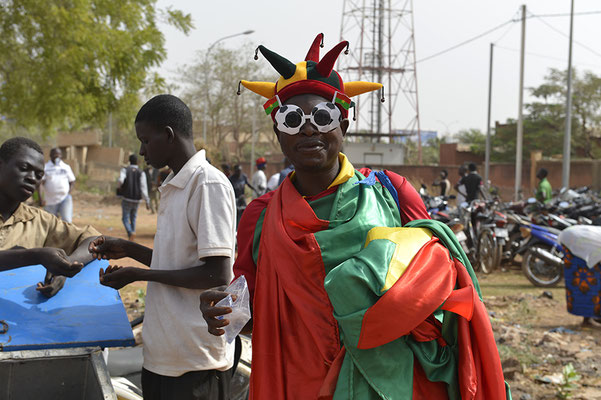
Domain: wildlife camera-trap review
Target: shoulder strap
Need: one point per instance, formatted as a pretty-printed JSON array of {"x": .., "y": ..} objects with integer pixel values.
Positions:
[{"x": 384, "y": 181}]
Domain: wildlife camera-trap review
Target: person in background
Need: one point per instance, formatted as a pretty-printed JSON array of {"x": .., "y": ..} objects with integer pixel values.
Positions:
[
  {"x": 193, "y": 250},
  {"x": 259, "y": 180},
  {"x": 239, "y": 181},
  {"x": 152, "y": 183},
  {"x": 444, "y": 183},
  {"x": 472, "y": 182},
  {"x": 288, "y": 168},
  {"x": 544, "y": 190},
  {"x": 29, "y": 235},
  {"x": 227, "y": 170},
  {"x": 273, "y": 182},
  {"x": 133, "y": 190},
  {"x": 55, "y": 191},
  {"x": 459, "y": 187}
]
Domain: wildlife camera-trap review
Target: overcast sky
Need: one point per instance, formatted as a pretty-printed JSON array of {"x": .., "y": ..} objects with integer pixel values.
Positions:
[{"x": 453, "y": 87}]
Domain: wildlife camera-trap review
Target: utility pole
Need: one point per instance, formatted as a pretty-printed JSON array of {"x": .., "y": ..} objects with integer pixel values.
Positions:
[
  {"x": 110, "y": 129},
  {"x": 565, "y": 171},
  {"x": 205, "y": 114},
  {"x": 520, "y": 134},
  {"x": 252, "y": 141},
  {"x": 487, "y": 151}
]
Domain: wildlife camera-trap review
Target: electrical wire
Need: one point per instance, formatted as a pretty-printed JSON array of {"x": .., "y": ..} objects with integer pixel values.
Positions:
[
  {"x": 511, "y": 22},
  {"x": 564, "y": 14},
  {"x": 513, "y": 18},
  {"x": 567, "y": 36},
  {"x": 466, "y": 41},
  {"x": 546, "y": 56}
]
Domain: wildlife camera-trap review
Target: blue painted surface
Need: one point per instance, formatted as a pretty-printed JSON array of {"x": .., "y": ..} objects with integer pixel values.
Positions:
[{"x": 83, "y": 313}]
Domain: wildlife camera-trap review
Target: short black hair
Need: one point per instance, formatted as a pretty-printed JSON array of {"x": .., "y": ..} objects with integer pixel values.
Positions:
[
  {"x": 471, "y": 167},
  {"x": 167, "y": 110},
  {"x": 444, "y": 172},
  {"x": 133, "y": 159},
  {"x": 11, "y": 146},
  {"x": 542, "y": 173}
]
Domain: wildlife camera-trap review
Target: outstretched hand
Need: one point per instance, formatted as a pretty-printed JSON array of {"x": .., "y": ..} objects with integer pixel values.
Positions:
[
  {"x": 107, "y": 247},
  {"x": 116, "y": 277},
  {"x": 57, "y": 263},
  {"x": 208, "y": 299},
  {"x": 51, "y": 285}
]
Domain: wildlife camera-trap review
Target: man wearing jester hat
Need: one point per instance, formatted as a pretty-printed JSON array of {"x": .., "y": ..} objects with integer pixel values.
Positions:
[{"x": 356, "y": 294}]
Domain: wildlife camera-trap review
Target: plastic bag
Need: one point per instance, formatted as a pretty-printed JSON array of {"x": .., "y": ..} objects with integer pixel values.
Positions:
[{"x": 240, "y": 314}]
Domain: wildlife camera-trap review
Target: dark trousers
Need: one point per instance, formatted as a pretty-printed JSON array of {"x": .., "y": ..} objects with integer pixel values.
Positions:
[{"x": 195, "y": 385}]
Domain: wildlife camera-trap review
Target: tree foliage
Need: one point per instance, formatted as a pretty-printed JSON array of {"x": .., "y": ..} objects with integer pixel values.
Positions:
[
  {"x": 68, "y": 63},
  {"x": 544, "y": 120},
  {"x": 474, "y": 138},
  {"x": 430, "y": 151},
  {"x": 209, "y": 87}
]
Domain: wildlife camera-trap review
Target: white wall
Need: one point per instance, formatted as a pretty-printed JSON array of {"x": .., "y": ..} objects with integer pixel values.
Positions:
[{"x": 374, "y": 154}]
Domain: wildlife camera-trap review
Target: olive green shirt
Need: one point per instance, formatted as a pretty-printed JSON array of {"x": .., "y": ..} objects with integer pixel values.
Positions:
[{"x": 31, "y": 227}]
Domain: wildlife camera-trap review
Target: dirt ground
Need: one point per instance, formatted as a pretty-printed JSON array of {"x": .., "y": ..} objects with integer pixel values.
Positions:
[{"x": 536, "y": 337}]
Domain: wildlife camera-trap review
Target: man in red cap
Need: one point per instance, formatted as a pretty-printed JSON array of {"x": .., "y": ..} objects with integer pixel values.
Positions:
[{"x": 259, "y": 180}]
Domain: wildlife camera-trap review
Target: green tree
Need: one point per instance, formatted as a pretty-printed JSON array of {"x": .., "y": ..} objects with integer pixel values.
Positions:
[
  {"x": 69, "y": 63},
  {"x": 209, "y": 87},
  {"x": 544, "y": 120},
  {"x": 430, "y": 151},
  {"x": 473, "y": 138}
]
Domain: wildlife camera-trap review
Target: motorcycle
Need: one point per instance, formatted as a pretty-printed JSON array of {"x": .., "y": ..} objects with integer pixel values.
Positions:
[
  {"x": 541, "y": 253},
  {"x": 486, "y": 234}
]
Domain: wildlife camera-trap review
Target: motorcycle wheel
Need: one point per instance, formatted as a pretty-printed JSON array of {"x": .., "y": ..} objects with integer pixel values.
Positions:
[
  {"x": 488, "y": 252},
  {"x": 538, "y": 271}
]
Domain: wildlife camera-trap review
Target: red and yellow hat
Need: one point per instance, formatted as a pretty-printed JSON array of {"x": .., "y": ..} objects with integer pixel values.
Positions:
[{"x": 310, "y": 76}]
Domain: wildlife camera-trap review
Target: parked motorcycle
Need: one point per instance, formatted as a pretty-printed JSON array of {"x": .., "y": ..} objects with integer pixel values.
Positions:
[{"x": 541, "y": 253}]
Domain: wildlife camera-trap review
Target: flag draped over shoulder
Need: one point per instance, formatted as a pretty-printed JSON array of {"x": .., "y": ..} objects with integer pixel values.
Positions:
[{"x": 415, "y": 325}]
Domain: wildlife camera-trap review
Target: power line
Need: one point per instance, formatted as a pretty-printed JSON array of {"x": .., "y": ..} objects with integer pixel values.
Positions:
[
  {"x": 564, "y": 15},
  {"x": 566, "y": 36},
  {"x": 511, "y": 21},
  {"x": 514, "y": 18},
  {"x": 466, "y": 41},
  {"x": 546, "y": 56}
]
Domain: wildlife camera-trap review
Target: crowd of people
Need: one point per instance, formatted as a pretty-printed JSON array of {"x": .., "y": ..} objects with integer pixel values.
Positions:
[{"x": 355, "y": 292}]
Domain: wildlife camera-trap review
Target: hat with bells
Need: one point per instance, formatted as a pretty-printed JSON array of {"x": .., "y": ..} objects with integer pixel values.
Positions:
[{"x": 313, "y": 76}]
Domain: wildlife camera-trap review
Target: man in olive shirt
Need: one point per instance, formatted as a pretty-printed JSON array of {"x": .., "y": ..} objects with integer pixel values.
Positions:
[{"x": 29, "y": 235}]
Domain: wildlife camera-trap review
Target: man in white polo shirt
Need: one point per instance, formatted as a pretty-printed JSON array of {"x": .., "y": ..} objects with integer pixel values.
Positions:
[
  {"x": 56, "y": 186},
  {"x": 193, "y": 250}
]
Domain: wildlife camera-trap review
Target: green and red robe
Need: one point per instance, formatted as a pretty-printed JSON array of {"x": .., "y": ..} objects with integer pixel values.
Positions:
[{"x": 344, "y": 309}]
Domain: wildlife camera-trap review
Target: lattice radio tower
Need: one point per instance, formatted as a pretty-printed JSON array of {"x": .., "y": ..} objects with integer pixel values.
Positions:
[{"x": 382, "y": 42}]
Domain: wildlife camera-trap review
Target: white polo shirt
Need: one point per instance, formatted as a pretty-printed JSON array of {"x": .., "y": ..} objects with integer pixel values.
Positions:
[
  {"x": 196, "y": 219},
  {"x": 56, "y": 181}
]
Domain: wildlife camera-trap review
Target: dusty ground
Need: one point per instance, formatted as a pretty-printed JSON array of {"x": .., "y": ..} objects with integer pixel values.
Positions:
[{"x": 535, "y": 334}]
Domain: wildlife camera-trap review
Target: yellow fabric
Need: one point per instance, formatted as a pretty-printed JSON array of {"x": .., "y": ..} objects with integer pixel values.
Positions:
[
  {"x": 32, "y": 227},
  {"x": 408, "y": 242},
  {"x": 346, "y": 171},
  {"x": 265, "y": 89},
  {"x": 359, "y": 87},
  {"x": 299, "y": 75}
]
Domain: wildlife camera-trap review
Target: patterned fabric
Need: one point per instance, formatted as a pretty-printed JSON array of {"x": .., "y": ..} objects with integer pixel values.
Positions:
[{"x": 583, "y": 286}]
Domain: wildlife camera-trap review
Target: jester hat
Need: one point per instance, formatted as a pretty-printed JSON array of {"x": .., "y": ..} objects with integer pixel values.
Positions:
[{"x": 313, "y": 76}]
